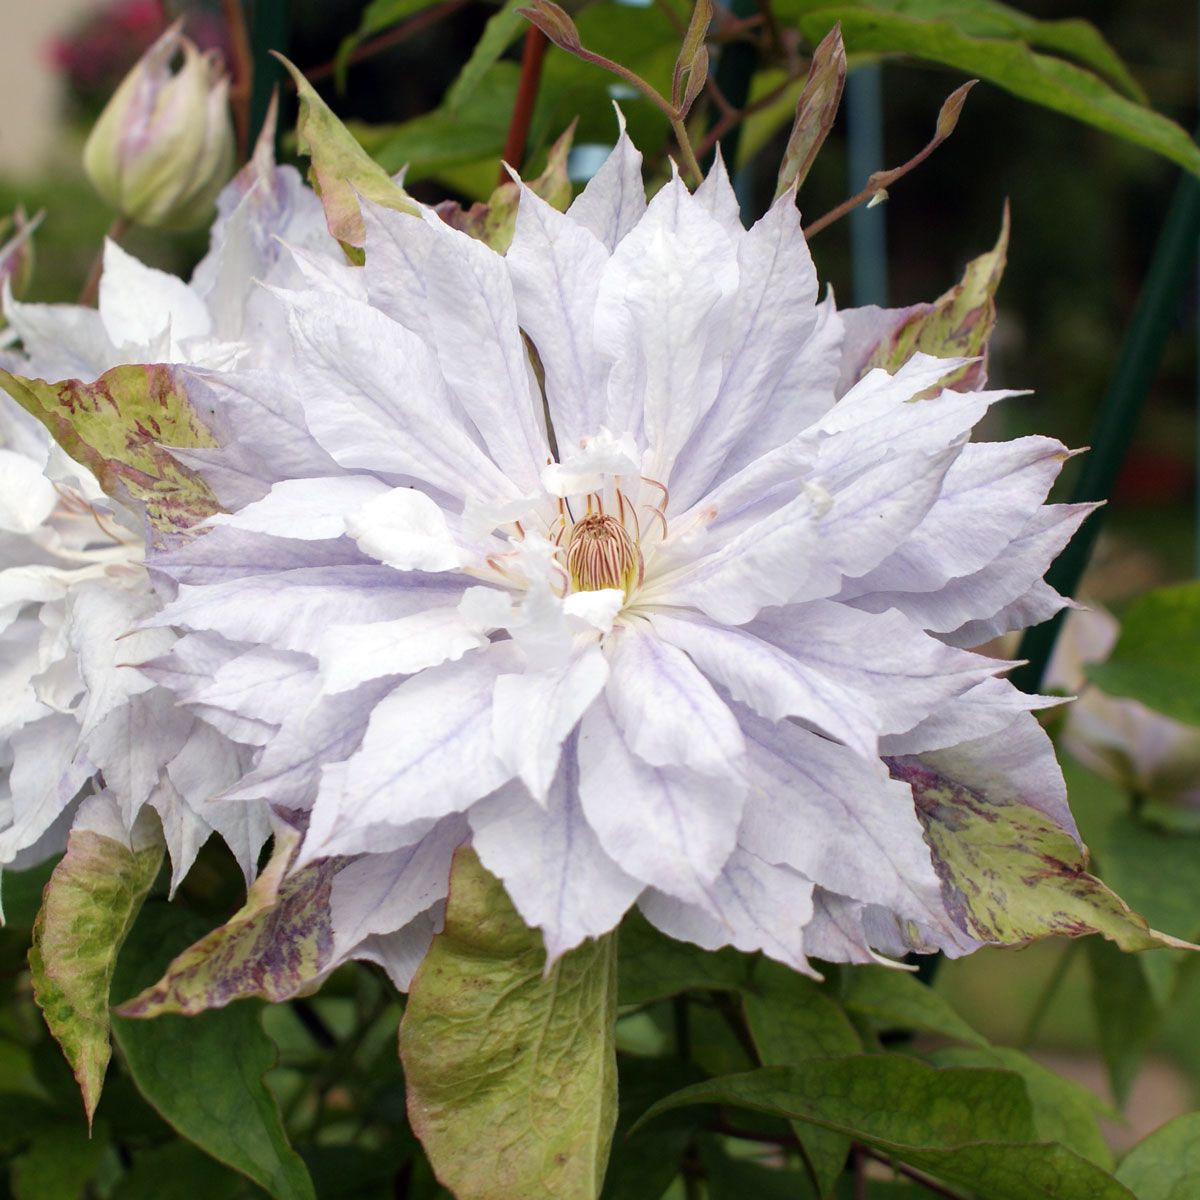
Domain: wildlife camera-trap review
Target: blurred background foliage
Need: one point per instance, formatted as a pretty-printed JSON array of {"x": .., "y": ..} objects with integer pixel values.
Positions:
[{"x": 1086, "y": 211}]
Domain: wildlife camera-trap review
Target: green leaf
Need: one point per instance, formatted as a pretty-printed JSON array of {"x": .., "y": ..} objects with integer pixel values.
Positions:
[
  {"x": 958, "y": 324},
  {"x": 895, "y": 999},
  {"x": 972, "y": 1128},
  {"x": 340, "y": 170},
  {"x": 735, "y": 1179},
  {"x": 204, "y": 1074},
  {"x": 510, "y": 1067},
  {"x": 377, "y": 17},
  {"x": 499, "y": 33},
  {"x": 1009, "y": 873},
  {"x": 120, "y": 427},
  {"x": 90, "y": 904},
  {"x": 1165, "y": 1165},
  {"x": 58, "y": 1165},
  {"x": 1063, "y": 1111},
  {"x": 1042, "y": 79},
  {"x": 1157, "y": 658},
  {"x": 178, "y": 1171},
  {"x": 791, "y": 1020},
  {"x": 653, "y": 966},
  {"x": 1126, "y": 1012},
  {"x": 277, "y": 944}
]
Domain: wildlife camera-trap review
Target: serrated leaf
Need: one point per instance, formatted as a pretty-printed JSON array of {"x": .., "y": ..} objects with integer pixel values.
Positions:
[
  {"x": 121, "y": 427},
  {"x": 897, "y": 1000},
  {"x": 277, "y": 944},
  {"x": 340, "y": 170},
  {"x": 90, "y": 904},
  {"x": 503, "y": 28},
  {"x": 495, "y": 221},
  {"x": 204, "y": 1074},
  {"x": 510, "y": 1068},
  {"x": 791, "y": 1020},
  {"x": 1166, "y": 1164},
  {"x": 1063, "y": 1111},
  {"x": 1127, "y": 1014},
  {"x": 652, "y": 966},
  {"x": 1157, "y": 657},
  {"x": 1010, "y": 874},
  {"x": 972, "y": 1128},
  {"x": 958, "y": 324},
  {"x": 815, "y": 111},
  {"x": 1042, "y": 79}
]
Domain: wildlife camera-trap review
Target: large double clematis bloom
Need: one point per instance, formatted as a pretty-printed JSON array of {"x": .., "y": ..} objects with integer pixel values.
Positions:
[{"x": 602, "y": 556}]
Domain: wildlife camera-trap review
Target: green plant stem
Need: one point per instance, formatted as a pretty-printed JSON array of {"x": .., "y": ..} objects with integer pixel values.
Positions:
[
  {"x": 918, "y": 1177},
  {"x": 691, "y": 166},
  {"x": 1046, "y": 996}
]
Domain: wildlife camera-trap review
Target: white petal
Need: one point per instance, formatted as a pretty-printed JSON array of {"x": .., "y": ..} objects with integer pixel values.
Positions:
[
  {"x": 305, "y": 508},
  {"x": 716, "y": 196},
  {"x": 27, "y": 497},
  {"x": 668, "y": 713},
  {"x": 139, "y": 304},
  {"x": 405, "y": 529},
  {"x": 551, "y": 863},
  {"x": 614, "y": 199},
  {"x": 586, "y": 470},
  {"x": 536, "y": 710},
  {"x": 669, "y": 827}
]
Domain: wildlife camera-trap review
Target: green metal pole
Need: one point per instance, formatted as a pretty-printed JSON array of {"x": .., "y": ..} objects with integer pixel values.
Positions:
[{"x": 1171, "y": 271}]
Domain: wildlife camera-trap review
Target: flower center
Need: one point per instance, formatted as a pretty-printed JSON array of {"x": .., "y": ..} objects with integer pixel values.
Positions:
[{"x": 601, "y": 554}]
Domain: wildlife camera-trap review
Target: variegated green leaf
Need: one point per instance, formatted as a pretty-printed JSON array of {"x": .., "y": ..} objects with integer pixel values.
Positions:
[
  {"x": 510, "y": 1068},
  {"x": 121, "y": 427},
  {"x": 89, "y": 906}
]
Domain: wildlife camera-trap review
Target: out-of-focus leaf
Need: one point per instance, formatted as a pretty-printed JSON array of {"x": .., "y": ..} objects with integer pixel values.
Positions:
[
  {"x": 60, "y": 1161},
  {"x": 378, "y": 16},
  {"x": 178, "y": 1171},
  {"x": 1157, "y": 657},
  {"x": 897, "y": 1000},
  {"x": 204, "y": 1074},
  {"x": 736, "y": 1179},
  {"x": 510, "y": 1068},
  {"x": 1042, "y": 79},
  {"x": 1063, "y": 1111},
  {"x": 1126, "y": 1012},
  {"x": 90, "y": 905},
  {"x": 499, "y": 33},
  {"x": 496, "y": 221},
  {"x": 21, "y": 892},
  {"x": 972, "y": 1128},
  {"x": 815, "y": 111},
  {"x": 1165, "y": 1165},
  {"x": 121, "y": 427},
  {"x": 958, "y": 324},
  {"x": 1010, "y": 874},
  {"x": 791, "y": 1020},
  {"x": 340, "y": 170},
  {"x": 277, "y": 944},
  {"x": 652, "y": 966}
]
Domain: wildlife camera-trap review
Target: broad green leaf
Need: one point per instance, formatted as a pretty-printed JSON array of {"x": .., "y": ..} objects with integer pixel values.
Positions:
[
  {"x": 59, "y": 1163},
  {"x": 1009, "y": 873},
  {"x": 340, "y": 170},
  {"x": 652, "y": 966},
  {"x": 1127, "y": 1014},
  {"x": 897, "y": 1000},
  {"x": 1040, "y": 78},
  {"x": 1063, "y": 1111},
  {"x": 815, "y": 111},
  {"x": 1165, "y": 1165},
  {"x": 958, "y": 324},
  {"x": 277, "y": 944},
  {"x": 90, "y": 905},
  {"x": 510, "y": 1067},
  {"x": 204, "y": 1074},
  {"x": 972, "y": 1128},
  {"x": 791, "y": 1020},
  {"x": 499, "y": 33},
  {"x": 121, "y": 427},
  {"x": 1157, "y": 658},
  {"x": 496, "y": 221}
]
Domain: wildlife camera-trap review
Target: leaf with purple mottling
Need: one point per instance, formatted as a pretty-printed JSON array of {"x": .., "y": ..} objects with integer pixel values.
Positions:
[
  {"x": 276, "y": 945},
  {"x": 122, "y": 428},
  {"x": 1011, "y": 874}
]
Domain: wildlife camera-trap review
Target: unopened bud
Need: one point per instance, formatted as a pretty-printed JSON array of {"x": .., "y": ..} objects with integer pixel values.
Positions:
[
  {"x": 16, "y": 251},
  {"x": 163, "y": 147}
]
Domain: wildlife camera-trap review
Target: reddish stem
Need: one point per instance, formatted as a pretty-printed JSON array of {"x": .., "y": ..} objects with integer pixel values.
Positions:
[
  {"x": 116, "y": 231},
  {"x": 242, "y": 69},
  {"x": 532, "y": 54}
]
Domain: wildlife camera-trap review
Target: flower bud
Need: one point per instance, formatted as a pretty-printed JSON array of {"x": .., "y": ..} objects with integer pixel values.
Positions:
[
  {"x": 163, "y": 147},
  {"x": 16, "y": 251}
]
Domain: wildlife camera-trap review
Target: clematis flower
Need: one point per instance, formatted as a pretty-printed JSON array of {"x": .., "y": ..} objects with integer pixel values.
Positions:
[
  {"x": 602, "y": 567},
  {"x": 77, "y": 716}
]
